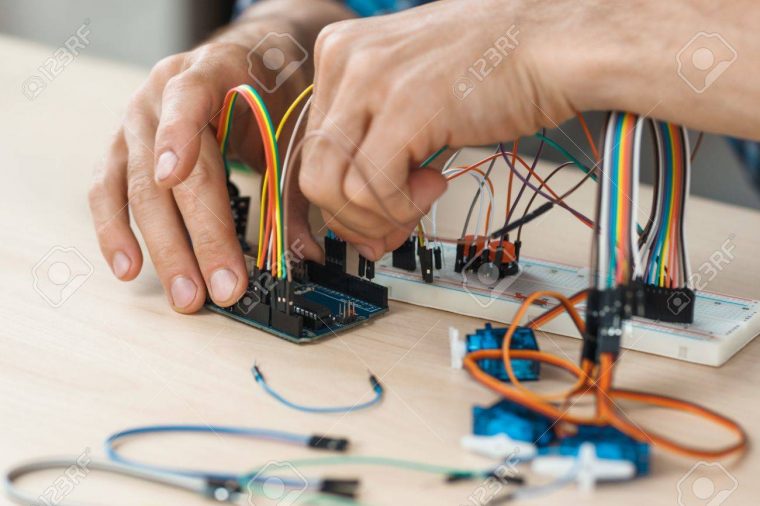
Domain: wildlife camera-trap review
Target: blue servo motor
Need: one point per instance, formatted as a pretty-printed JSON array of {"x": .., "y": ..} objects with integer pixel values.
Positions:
[
  {"x": 489, "y": 338},
  {"x": 609, "y": 442},
  {"x": 514, "y": 420}
]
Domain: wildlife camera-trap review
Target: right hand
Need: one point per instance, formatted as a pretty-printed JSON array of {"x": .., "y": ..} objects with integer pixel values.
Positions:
[{"x": 164, "y": 166}]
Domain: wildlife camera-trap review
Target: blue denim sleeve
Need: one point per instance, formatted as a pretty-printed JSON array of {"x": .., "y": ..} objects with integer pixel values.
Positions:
[
  {"x": 361, "y": 7},
  {"x": 749, "y": 153}
]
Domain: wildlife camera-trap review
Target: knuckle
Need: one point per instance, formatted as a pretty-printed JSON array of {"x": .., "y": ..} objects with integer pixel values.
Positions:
[
  {"x": 213, "y": 50},
  {"x": 138, "y": 110},
  {"x": 166, "y": 255},
  {"x": 211, "y": 243},
  {"x": 142, "y": 189},
  {"x": 182, "y": 82},
  {"x": 375, "y": 232},
  {"x": 167, "y": 66},
  {"x": 359, "y": 70},
  {"x": 200, "y": 179},
  {"x": 332, "y": 42},
  {"x": 169, "y": 128},
  {"x": 186, "y": 92}
]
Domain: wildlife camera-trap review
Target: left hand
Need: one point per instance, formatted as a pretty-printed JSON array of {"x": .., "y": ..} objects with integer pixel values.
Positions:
[{"x": 396, "y": 88}]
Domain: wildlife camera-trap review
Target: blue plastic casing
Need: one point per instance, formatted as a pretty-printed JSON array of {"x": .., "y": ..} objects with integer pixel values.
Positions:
[
  {"x": 517, "y": 422},
  {"x": 489, "y": 338},
  {"x": 610, "y": 443}
]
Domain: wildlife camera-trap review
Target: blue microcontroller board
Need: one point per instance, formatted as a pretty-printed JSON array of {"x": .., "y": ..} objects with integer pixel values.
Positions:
[{"x": 322, "y": 302}]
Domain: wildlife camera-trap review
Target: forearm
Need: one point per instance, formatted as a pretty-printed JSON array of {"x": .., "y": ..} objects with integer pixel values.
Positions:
[{"x": 648, "y": 61}]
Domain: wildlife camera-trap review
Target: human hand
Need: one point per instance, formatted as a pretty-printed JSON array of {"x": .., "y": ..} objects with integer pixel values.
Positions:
[
  {"x": 387, "y": 93},
  {"x": 164, "y": 167}
]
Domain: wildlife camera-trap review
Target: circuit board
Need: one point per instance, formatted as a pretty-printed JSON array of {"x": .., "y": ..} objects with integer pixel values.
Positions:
[
  {"x": 722, "y": 325},
  {"x": 332, "y": 299},
  {"x": 324, "y": 300}
]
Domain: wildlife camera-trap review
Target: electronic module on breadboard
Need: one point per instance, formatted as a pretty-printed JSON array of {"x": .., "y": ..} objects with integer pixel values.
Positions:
[{"x": 722, "y": 324}]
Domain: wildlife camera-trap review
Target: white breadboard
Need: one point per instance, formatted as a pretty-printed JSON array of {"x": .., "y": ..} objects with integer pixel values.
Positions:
[{"x": 722, "y": 326}]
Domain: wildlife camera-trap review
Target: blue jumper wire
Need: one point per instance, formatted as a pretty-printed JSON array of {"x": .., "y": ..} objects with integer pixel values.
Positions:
[{"x": 377, "y": 387}]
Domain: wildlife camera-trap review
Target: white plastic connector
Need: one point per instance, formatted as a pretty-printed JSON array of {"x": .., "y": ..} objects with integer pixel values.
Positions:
[
  {"x": 587, "y": 468},
  {"x": 458, "y": 348},
  {"x": 499, "y": 446}
]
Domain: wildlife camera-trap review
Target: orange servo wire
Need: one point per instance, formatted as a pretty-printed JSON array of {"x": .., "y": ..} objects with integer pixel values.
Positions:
[
  {"x": 506, "y": 347},
  {"x": 609, "y": 411},
  {"x": 595, "y": 380}
]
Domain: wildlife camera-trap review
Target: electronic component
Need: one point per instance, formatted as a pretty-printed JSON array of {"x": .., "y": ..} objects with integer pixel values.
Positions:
[
  {"x": 315, "y": 315},
  {"x": 483, "y": 255},
  {"x": 318, "y": 302},
  {"x": 489, "y": 338},
  {"x": 403, "y": 256},
  {"x": 514, "y": 420},
  {"x": 609, "y": 442}
]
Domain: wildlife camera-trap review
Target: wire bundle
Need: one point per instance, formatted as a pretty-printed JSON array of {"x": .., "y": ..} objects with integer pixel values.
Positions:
[
  {"x": 663, "y": 247},
  {"x": 271, "y": 248},
  {"x": 615, "y": 250}
]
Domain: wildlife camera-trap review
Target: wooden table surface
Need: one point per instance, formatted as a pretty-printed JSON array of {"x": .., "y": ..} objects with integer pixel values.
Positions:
[{"x": 114, "y": 355}]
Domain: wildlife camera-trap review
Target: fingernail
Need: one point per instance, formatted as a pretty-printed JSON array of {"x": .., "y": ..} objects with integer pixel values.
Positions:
[
  {"x": 223, "y": 283},
  {"x": 183, "y": 291},
  {"x": 120, "y": 264},
  {"x": 365, "y": 251},
  {"x": 166, "y": 164}
]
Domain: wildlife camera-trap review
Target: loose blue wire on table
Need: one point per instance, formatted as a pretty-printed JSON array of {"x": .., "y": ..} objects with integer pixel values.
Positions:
[
  {"x": 266, "y": 434},
  {"x": 377, "y": 387}
]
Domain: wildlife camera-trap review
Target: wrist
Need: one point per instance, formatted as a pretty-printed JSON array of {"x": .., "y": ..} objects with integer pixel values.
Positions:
[{"x": 617, "y": 58}]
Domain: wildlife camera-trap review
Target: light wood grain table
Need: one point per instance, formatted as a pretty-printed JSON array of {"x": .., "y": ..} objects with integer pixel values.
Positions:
[{"x": 114, "y": 355}]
